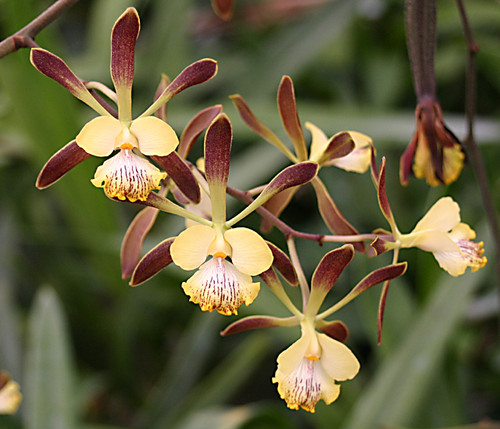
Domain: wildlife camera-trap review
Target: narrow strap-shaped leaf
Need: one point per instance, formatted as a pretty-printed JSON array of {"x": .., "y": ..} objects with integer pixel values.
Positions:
[
  {"x": 195, "y": 127},
  {"x": 54, "y": 67},
  {"x": 334, "y": 220},
  {"x": 257, "y": 322},
  {"x": 181, "y": 174},
  {"x": 152, "y": 262},
  {"x": 123, "y": 38},
  {"x": 60, "y": 163},
  {"x": 218, "y": 140},
  {"x": 288, "y": 111},
  {"x": 134, "y": 238},
  {"x": 49, "y": 388}
]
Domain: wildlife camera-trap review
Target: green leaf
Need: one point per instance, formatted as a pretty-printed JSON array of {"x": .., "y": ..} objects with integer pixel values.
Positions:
[
  {"x": 49, "y": 390},
  {"x": 394, "y": 395}
]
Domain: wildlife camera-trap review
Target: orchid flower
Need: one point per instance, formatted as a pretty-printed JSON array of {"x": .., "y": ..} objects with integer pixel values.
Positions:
[
  {"x": 434, "y": 153},
  {"x": 10, "y": 397},
  {"x": 348, "y": 150},
  {"x": 220, "y": 284},
  {"x": 127, "y": 175},
  {"x": 440, "y": 231},
  {"x": 309, "y": 369}
]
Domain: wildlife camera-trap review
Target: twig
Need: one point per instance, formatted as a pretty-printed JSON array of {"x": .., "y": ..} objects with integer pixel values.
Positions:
[
  {"x": 470, "y": 142},
  {"x": 25, "y": 37}
]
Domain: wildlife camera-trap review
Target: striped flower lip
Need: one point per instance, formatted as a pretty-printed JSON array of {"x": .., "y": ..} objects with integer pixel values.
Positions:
[
  {"x": 219, "y": 285},
  {"x": 441, "y": 232},
  {"x": 146, "y": 134},
  {"x": 127, "y": 176},
  {"x": 308, "y": 370}
]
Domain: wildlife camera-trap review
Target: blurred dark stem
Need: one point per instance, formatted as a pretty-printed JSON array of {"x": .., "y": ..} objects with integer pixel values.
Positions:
[
  {"x": 470, "y": 142},
  {"x": 420, "y": 25},
  {"x": 25, "y": 37}
]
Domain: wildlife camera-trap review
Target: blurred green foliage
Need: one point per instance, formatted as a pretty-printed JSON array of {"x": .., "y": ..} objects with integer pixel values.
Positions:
[{"x": 91, "y": 352}]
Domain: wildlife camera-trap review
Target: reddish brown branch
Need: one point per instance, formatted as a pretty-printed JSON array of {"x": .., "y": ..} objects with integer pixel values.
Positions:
[
  {"x": 470, "y": 142},
  {"x": 25, "y": 37}
]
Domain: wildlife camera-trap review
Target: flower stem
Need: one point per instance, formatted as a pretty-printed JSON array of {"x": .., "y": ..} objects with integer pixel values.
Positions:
[
  {"x": 24, "y": 38},
  {"x": 304, "y": 286},
  {"x": 470, "y": 141}
]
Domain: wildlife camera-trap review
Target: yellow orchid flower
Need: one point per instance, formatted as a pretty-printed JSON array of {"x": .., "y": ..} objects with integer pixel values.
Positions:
[
  {"x": 127, "y": 175},
  {"x": 10, "y": 396},
  {"x": 224, "y": 281},
  {"x": 308, "y": 370},
  {"x": 450, "y": 241}
]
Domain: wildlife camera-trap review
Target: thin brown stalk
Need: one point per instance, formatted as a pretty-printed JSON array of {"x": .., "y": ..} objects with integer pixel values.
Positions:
[
  {"x": 25, "y": 37},
  {"x": 470, "y": 141}
]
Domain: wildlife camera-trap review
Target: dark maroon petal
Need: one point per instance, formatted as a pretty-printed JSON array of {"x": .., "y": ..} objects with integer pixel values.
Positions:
[
  {"x": 382, "y": 194},
  {"x": 134, "y": 238},
  {"x": 195, "y": 127},
  {"x": 194, "y": 74},
  {"x": 331, "y": 266},
  {"x": 181, "y": 174},
  {"x": 52, "y": 66},
  {"x": 339, "y": 145},
  {"x": 406, "y": 160},
  {"x": 60, "y": 163},
  {"x": 256, "y": 322},
  {"x": 381, "y": 311},
  {"x": 252, "y": 121},
  {"x": 223, "y": 8},
  {"x": 331, "y": 214},
  {"x": 377, "y": 247},
  {"x": 218, "y": 139},
  {"x": 288, "y": 111},
  {"x": 283, "y": 264},
  {"x": 295, "y": 175},
  {"x": 123, "y": 39},
  {"x": 378, "y": 276},
  {"x": 335, "y": 329},
  {"x": 153, "y": 262}
]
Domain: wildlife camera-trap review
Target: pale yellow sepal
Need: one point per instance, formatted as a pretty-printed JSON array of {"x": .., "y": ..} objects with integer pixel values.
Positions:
[
  {"x": 10, "y": 398},
  {"x": 358, "y": 161},
  {"x": 250, "y": 253},
  {"x": 218, "y": 285},
  {"x": 127, "y": 176},
  {"x": 442, "y": 216},
  {"x": 155, "y": 136},
  {"x": 319, "y": 142},
  {"x": 190, "y": 249},
  {"x": 337, "y": 359},
  {"x": 98, "y": 137}
]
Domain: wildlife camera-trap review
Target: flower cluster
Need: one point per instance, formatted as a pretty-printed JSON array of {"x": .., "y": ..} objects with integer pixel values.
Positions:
[{"x": 226, "y": 258}]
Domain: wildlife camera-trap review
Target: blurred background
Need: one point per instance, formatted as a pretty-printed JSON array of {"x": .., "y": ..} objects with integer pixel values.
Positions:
[{"x": 91, "y": 352}]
